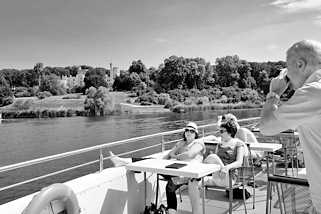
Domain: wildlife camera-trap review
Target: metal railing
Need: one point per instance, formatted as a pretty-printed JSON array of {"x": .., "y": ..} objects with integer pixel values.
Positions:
[{"x": 100, "y": 148}]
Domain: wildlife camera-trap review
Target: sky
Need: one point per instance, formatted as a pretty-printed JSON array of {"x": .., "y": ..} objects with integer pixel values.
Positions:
[{"x": 98, "y": 32}]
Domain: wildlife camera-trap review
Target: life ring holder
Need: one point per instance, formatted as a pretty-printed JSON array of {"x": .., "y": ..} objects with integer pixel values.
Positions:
[{"x": 53, "y": 192}]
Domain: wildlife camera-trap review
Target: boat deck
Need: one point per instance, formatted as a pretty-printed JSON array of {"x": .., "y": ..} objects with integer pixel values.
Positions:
[{"x": 217, "y": 202}]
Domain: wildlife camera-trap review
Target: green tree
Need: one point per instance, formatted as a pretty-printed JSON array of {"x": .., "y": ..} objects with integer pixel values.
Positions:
[
  {"x": 73, "y": 70},
  {"x": 172, "y": 75},
  {"x": 137, "y": 67},
  {"x": 209, "y": 77},
  {"x": 134, "y": 80},
  {"x": 263, "y": 82},
  {"x": 250, "y": 95},
  {"x": 127, "y": 81},
  {"x": 29, "y": 78},
  {"x": 60, "y": 71},
  {"x": 227, "y": 70},
  {"x": 246, "y": 80},
  {"x": 5, "y": 92},
  {"x": 98, "y": 101},
  {"x": 38, "y": 68},
  {"x": 194, "y": 74},
  {"x": 51, "y": 83},
  {"x": 96, "y": 78},
  {"x": 153, "y": 73},
  {"x": 153, "y": 76}
]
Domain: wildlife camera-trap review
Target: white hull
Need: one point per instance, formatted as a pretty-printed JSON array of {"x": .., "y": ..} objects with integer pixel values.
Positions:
[{"x": 112, "y": 191}]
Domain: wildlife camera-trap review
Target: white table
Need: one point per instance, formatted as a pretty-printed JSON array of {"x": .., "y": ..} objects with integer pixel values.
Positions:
[
  {"x": 268, "y": 148},
  {"x": 265, "y": 147},
  {"x": 191, "y": 170},
  {"x": 292, "y": 144}
]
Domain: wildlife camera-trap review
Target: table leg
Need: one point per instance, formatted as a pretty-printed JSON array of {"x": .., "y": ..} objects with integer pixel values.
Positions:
[
  {"x": 286, "y": 160},
  {"x": 269, "y": 185},
  {"x": 145, "y": 189},
  {"x": 273, "y": 164},
  {"x": 157, "y": 187},
  {"x": 267, "y": 164},
  {"x": 203, "y": 195}
]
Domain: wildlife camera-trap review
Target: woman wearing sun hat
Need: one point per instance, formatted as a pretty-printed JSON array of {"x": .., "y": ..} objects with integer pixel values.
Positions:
[{"x": 188, "y": 149}]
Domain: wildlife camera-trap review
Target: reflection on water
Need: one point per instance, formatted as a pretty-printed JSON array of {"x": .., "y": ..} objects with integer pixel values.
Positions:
[{"x": 27, "y": 139}]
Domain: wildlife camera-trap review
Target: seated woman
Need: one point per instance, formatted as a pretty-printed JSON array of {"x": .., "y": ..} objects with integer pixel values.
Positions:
[
  {"x": 189, "y": 149},
  {"x": 230, "y": 154},
  {"x": 245, "y": 135}
]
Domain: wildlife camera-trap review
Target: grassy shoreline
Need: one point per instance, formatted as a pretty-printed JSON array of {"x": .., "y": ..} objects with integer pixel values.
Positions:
[
  {"x": 215, "y": 106},
  {"x": 54, "y": 106},
  {"x": 58, "y": 106}
]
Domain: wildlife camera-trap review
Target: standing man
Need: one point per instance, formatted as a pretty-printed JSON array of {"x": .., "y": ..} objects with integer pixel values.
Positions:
[{"x": 302, "y": 111}]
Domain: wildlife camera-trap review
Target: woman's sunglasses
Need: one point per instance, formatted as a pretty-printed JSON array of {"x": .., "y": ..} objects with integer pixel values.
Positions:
[
  {"x": 189, "y": 130},
  {"x": 222, "y": 131}
]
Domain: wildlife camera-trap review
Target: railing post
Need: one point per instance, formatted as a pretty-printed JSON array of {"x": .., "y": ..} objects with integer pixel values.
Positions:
[
  {"x": 101, "y": 160},
  {"x": 203, "y": 132},
  {"x": 162, "y": 144}
]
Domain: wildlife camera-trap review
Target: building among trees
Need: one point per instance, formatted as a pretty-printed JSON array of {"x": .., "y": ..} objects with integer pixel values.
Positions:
[{"x": 70, "y": 81}]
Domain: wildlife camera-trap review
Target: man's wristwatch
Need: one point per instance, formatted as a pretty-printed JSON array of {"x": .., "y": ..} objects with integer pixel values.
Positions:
[
  {"x": 272, "y": 95},
  {"x": 274, "y": 99}
]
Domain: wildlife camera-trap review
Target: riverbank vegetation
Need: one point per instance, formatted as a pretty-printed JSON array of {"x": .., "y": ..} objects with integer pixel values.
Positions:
[
  {"x": 54, "y": 106},
  {"x": 178, "y": 83}
]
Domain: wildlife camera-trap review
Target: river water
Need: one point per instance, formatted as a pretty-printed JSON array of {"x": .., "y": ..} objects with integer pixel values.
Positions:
[{"x": 27, "y": 139}]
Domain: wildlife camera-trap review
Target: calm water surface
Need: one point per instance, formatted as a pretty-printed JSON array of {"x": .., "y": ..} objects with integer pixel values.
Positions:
[{"x": 27, "y": 139}]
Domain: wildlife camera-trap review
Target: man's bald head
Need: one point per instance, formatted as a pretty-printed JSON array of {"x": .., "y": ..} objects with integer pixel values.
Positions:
[
  {"x": 303, "y": 59},
  {"x": 306, "y": 50}
]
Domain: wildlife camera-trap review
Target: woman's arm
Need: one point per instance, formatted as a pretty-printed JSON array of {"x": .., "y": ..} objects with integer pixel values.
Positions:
[
  {"x": 192, "y": 152},
  {"x": 239, "y": 159},
  {"x": 172, "y": 153}
]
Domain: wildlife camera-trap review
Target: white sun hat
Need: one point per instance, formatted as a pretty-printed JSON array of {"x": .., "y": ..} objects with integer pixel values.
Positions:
[{"x": 193, "y": 126}]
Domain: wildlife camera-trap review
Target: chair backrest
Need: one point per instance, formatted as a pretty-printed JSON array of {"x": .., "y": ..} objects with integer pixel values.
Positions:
[{"x": 247, "y": 156}]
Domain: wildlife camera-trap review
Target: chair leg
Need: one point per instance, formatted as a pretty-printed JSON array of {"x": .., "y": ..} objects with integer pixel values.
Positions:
[
  {"x": 244, "y": 198},
  {"x": 271, "y": 185},
  {"x": 253, "y": 193},
  {"x": 253, "y": 188},
  {"x": 230, "y": 193},
  {"x": 253, "y": 176},
  {"x": 279, "y": 198},
  {"x": 268, "y": 190}
]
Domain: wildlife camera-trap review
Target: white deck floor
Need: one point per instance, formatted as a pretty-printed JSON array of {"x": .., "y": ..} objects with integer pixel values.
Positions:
[{"x": 217, "y": 202}]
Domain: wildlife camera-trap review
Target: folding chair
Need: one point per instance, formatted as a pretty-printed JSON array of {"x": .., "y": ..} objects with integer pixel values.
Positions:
[
  {"x": 245, "y": 173},
  {"x": 294, "y": 195}
]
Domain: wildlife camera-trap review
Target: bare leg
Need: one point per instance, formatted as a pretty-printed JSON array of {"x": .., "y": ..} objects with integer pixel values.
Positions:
[
  {"x": 215, "y": 179},
  {"x": 214, "y": 159},
  {"x": 117, "y": 161},
  {"x": 171, "y": 211},
  {"x": 194, "y": 195}
]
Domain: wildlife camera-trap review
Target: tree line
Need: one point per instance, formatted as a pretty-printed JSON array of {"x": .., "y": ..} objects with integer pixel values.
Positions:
[
  {"x": 230, "y": 77},
  {"x": 179, "y": 77}
]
